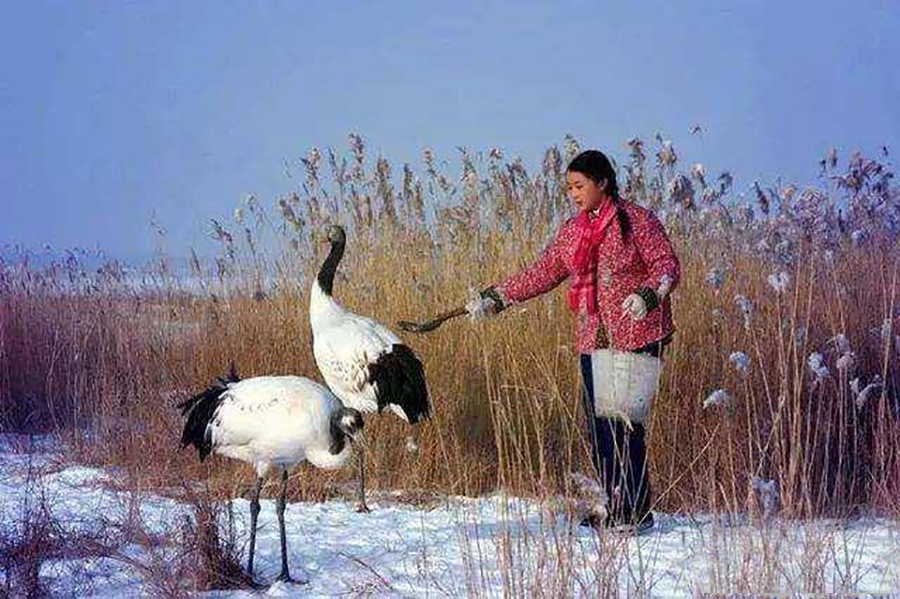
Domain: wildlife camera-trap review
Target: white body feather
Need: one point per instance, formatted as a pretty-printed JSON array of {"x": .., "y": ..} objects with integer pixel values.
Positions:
[
  {"x": 276, "y": 421},
  {"x": 345, "y": 345}
]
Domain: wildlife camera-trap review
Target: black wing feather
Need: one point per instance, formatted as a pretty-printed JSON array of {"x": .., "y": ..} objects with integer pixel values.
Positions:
[
  {"x": 199, "y": 411},
  {"x": 400, "y": 380}
]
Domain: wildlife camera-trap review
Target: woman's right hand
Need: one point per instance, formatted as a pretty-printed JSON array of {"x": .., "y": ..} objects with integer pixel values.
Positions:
[{"x": 486, "y": 302}]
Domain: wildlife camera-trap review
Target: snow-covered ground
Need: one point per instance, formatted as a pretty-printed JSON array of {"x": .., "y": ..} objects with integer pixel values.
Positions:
[{"x": 486, "y": 546}]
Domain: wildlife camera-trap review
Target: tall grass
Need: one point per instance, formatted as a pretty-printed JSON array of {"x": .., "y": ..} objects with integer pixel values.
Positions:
[{"x": 103, "y": 354}]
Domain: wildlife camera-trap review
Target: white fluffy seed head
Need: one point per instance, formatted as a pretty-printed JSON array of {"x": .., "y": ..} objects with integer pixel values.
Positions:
[
  {"x": 869, "y": 391},
  {"x": 817, "y": 366},
  {"x": 715, "y": 278},
  {"x": 745, "y": 305},
  {"x": 740, "y": 360},
  {"x": 846, "y": 362},
  {"x": 886, "y": 327},
  {"x": 779, "y": 281},
  {"x": 717, "y": 397},
  {"x": 841, "y": 343}
]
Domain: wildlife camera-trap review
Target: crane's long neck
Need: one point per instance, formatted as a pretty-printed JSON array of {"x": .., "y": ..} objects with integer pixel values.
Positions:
[
  {"x": 325, "y": 277},
  {"x": 337, "y": 439},
  {"x": 321, "y": 303}
]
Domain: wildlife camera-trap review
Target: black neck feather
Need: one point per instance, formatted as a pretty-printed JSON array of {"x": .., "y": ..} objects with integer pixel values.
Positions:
[{"x": 329, "y": 267}]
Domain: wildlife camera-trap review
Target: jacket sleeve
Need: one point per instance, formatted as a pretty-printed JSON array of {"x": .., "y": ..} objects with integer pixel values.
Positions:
[
  {"x": 655, "y": 248},
  {"x": 542, "y": 276}
]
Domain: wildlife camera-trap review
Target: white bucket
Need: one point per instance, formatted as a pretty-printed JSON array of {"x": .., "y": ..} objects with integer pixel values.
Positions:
[{"x": 625, "y": 384}]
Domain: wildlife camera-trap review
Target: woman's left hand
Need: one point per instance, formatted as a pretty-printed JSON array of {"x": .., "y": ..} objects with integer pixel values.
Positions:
[{"x": 635, "y": 305}]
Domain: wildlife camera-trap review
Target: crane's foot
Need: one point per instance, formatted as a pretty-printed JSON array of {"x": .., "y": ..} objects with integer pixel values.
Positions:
[
  {"x": 250, "y": 581},
  {"x": 285, "y": 577},
  {"x": 256, "y": 585}
]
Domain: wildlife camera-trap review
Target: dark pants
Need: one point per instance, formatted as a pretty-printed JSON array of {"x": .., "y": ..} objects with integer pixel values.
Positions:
[{"x": 619, "y": 456}]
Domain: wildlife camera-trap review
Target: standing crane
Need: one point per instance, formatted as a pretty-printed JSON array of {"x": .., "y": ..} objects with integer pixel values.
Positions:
[
  {"x": 271, "y": 422},
  {"x": 363, "y": 362}
]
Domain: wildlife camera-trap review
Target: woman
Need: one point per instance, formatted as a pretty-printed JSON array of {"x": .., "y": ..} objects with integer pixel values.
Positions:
[{"x": 622, "y": 270}]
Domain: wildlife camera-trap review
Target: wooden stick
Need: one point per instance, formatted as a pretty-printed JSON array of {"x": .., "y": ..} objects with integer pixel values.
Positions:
[{"x": 426, "y": 327}]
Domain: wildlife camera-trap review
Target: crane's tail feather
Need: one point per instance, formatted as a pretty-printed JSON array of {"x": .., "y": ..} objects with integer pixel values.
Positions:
[
  {"x": 399, "y": 379},
  {"x": 199, "y": 411}
]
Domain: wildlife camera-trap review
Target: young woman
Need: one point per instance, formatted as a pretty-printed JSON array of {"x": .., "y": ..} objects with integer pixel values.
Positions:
[{"x": 622, "y": 269}]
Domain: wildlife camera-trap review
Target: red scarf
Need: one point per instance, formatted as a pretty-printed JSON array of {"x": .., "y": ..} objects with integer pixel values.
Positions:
[{"x": 591, "y": 230}]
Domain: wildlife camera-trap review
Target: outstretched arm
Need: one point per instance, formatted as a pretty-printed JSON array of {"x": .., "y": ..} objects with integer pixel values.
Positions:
[{"x": 538, "y": 278}]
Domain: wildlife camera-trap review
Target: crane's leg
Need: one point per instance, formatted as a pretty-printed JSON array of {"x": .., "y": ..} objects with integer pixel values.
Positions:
[
  {"x": 285, "y": 575},
  {"x": 362, "y": 508},
  {"x": 254, "y": 512}
]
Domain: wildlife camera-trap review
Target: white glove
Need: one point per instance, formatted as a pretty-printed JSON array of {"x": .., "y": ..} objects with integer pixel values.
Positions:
[
  {"x": 480, "y": 307},
  {"x": 635, "y": 305},
  {"x": 484, "y": 303}
]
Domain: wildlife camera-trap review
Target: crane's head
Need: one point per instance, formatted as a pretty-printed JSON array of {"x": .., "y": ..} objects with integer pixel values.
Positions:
[
  {"x": 337, "y": 235},
  {"x": 350, "y": 422}
]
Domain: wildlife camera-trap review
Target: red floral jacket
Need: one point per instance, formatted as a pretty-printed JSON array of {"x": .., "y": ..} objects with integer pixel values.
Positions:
[{"x": 643, "y": 263}]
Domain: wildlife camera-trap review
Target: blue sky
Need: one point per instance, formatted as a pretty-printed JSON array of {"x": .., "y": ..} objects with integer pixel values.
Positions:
[{"x": 113, "y": 111}]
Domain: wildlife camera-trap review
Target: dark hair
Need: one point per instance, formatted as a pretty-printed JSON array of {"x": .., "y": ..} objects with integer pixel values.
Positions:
[{"x": 594, "y": 165}]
